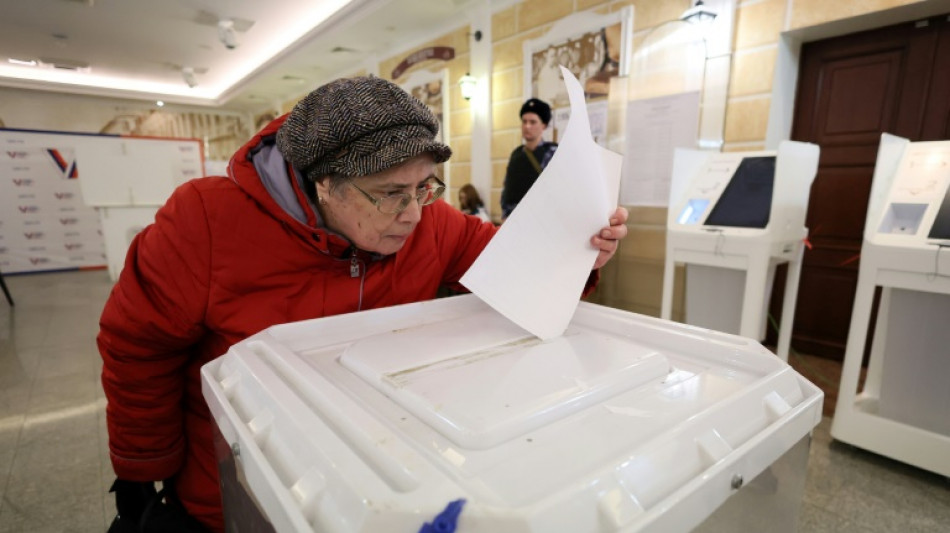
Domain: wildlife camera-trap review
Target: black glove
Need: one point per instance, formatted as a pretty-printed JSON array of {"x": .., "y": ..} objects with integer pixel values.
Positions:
[{"x": 131, "y": 499}]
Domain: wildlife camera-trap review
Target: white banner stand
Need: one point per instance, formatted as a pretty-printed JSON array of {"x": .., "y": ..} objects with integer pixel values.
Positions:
[{"x": 127, "y": 179}]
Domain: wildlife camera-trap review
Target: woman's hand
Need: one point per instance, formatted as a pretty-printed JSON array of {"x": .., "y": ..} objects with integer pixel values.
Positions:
[{"x": 609, "y": 238}]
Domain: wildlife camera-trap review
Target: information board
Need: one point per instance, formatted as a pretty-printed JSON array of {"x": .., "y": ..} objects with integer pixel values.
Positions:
[{"x": 52, "y": 182}]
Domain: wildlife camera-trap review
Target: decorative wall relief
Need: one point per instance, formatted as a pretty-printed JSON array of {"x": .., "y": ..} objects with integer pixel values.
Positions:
[{"x": 222, "y": 134}]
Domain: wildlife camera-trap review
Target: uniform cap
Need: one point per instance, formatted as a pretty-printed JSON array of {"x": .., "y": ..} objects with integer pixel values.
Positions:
[{"x": 538, "y": 107}]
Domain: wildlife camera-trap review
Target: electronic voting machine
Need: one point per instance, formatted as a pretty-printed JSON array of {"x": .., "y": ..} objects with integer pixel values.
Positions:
[
  {"x": 901, "y": 412},
  {"x": 733, "y": 217}
]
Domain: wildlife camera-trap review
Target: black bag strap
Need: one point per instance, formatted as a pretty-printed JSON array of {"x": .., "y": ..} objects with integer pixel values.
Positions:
[{"x": 532, "y": 159}]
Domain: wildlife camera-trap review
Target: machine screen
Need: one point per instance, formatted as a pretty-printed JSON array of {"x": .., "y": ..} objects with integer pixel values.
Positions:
[
  {"x": 941, "y": 227},
  {"x": 693, "y": 211},
  {"x": 747, "y": 200}
]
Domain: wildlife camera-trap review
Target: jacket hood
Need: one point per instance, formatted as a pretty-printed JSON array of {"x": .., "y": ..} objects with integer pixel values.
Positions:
[{"x": 261, "y": 172}]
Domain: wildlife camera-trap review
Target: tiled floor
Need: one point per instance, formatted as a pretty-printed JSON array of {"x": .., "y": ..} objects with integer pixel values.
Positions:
[{"x": 54, "y": 468}]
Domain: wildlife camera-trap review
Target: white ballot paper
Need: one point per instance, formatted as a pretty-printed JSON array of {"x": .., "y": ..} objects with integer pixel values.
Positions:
[{"x": 534, "y": 270}]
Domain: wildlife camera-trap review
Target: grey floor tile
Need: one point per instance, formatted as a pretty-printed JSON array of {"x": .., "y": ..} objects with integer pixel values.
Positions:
[
  {"x": 18, "y": 367},
  {"x": 885, "y": 495},
  {"x": 55, "y": 477},
  {"x": 64, "y": 362},
  {"x": 63, "y": 392},
  {"x": 69, "y": 515},
  {"x": 27, "y": 332},
  {"x": 9, "y": 436},
  {"x": 14, "y": 402},
  {"x": 816, "y": 519}
]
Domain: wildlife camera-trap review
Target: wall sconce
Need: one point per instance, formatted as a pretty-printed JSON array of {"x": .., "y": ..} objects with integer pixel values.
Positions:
[
  {"x": 698, "y": 14},
  {"x": 467, "y": 85}
]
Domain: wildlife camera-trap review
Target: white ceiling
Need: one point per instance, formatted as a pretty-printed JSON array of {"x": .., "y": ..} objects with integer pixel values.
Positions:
[{"x": 138, "y": 48}]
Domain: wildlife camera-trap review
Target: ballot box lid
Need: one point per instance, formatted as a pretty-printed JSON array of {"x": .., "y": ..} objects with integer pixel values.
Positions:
[{"x": 376, "y": 421}]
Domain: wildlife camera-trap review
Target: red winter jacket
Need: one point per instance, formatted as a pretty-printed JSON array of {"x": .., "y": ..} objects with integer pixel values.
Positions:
[{"x": 222, "y": 261}]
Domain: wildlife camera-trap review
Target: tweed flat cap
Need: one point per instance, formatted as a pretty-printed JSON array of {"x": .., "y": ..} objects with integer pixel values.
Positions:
[{"x": 356, "y": 127}]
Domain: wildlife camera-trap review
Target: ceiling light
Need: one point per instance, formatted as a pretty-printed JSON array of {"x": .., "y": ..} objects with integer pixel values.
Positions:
[
  {"x": 160, "y": 103},
  {"x": 227, "y": 34},
  {"x": 22, "y": 62},
  {"x": 64, "y": 64},
  {"x": 188, "y": 74},
  {"x": 698, "y": 14},
  {"x": 467, "y": 86}
]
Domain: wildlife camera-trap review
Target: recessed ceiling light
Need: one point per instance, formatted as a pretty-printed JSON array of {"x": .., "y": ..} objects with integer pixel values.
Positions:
[
  {"x": 22, "y": 62},
  {"x": 65, "y": 64}
]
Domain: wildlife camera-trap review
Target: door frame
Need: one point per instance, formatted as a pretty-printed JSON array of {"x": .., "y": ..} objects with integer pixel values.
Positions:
[{"x": 785, "y": 80}]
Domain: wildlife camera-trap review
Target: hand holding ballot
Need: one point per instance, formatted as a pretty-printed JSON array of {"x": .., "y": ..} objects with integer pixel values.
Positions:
[
  {"x": 537, "y": 266},
  {"x": 608, "y": 239}
]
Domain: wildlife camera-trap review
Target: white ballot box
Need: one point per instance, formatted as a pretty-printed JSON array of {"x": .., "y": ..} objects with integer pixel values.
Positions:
[
  {"x": 902, "y": 409},
  {"x": 380, "y": 420},
  {"x": 733, "y": 217}
]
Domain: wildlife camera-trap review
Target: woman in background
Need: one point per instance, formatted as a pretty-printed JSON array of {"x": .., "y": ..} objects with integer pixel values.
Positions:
[{"x": 471, "y": 203}]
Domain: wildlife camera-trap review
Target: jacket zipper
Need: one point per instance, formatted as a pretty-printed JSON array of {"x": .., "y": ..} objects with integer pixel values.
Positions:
[
  {"x": 354, "y": 266},
  {"x": 355, "y": 272}
]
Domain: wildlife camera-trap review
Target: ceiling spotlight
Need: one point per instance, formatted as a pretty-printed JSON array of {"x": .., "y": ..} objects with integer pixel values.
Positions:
[
  {"x": 188, "y": 74},
  {"x": 227, "y": 34},
  {"x": 699, "y": 13}
]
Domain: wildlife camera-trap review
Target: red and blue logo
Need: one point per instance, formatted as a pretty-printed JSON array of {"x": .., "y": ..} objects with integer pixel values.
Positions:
[{"x": 68, "y": 168}]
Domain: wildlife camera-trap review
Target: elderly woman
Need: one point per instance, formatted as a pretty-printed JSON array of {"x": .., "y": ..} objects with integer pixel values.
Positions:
[{"x": 330, "y": 209}]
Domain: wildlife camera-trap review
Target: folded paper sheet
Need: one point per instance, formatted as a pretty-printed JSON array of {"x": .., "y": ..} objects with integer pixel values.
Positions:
[{"x": 534, "y": 270}]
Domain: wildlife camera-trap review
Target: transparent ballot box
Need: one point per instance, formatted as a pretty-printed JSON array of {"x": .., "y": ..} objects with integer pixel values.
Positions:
[{"x": 386, "y": 420}]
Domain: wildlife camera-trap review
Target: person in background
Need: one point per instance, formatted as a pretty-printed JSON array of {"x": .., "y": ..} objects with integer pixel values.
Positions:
[
  {"x": 332, "y": 208},
  {"x": 528, "y": 160},
  {"x": 471, "y": 203}
]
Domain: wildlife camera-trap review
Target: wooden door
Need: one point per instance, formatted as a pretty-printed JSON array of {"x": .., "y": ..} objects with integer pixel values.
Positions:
[{"x": 851, "y": 89}]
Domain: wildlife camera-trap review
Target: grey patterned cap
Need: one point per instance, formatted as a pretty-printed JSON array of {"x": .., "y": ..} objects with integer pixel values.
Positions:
[{"x": 356, "y": 127}]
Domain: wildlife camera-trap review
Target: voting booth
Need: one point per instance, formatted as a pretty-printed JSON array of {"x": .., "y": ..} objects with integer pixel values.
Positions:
[
  {"x": 391, "y": 419},
  {"x": 902, "y": 411},
  {"x": 733, "y": 217},
  {"x": 127, "y": 179}
]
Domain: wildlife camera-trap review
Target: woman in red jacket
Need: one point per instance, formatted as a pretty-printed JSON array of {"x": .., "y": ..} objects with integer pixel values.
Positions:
[{"x": 330, "y": 209}]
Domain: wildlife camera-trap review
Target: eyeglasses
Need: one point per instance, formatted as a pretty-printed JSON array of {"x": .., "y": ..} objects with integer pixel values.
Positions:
[{"x": 397, "y": 202}]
